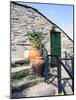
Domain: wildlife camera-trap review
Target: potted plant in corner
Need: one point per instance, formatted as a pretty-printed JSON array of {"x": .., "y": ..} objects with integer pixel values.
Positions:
[{"x": 35, "y": 57}]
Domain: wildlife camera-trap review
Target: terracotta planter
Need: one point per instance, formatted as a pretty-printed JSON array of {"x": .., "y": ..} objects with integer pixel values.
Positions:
[{"x": 36, "y": 60}]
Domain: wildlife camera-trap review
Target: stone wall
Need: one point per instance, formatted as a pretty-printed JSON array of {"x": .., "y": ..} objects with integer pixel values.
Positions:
[{"x": 26, "y": 19}]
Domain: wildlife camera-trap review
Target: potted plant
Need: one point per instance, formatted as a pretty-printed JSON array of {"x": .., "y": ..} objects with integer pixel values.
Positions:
[{"x": 35, "y": 57}]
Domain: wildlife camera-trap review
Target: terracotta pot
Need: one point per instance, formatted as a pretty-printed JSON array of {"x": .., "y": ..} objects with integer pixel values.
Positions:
[
  {"x": 35, "y": 56},
  {"x": 36, "y": 60}
]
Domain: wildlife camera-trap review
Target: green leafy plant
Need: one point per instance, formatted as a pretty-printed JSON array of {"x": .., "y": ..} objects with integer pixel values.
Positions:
[
  {"x": 36, "y": 38},
  {"x": 20, "y": 74}
]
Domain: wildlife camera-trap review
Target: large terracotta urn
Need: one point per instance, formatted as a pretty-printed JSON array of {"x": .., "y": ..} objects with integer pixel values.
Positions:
[{"x": 36, "y": 60}]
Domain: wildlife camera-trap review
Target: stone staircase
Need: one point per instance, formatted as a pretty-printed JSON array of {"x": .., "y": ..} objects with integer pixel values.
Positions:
[{"x": 29, "y": 86}]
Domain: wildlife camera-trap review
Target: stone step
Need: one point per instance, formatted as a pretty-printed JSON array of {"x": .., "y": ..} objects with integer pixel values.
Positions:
[
  {"x": 40, "y": 89},
  {"x": 21, "y": 68}
]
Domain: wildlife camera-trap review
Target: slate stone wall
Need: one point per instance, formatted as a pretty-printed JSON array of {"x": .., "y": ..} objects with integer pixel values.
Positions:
[{"x": 25, "y": 19}]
